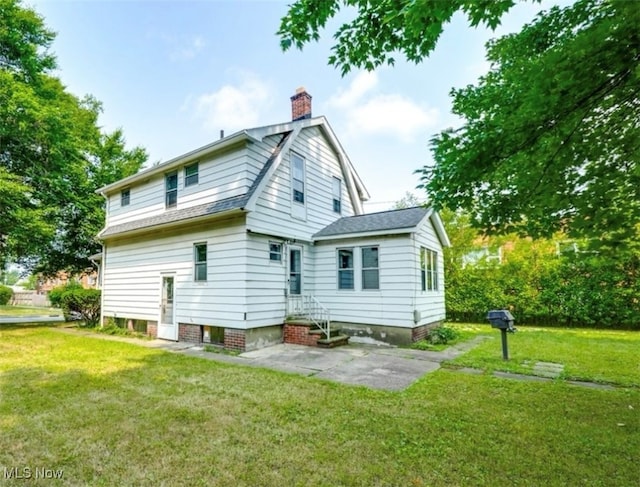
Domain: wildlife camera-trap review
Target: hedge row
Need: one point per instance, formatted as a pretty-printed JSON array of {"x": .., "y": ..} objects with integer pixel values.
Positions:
[{"x": 580, "y": 291}]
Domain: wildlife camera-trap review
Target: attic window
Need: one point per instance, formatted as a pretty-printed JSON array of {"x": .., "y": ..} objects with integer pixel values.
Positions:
[
  {"x": 191, "y": 174},
  {"x": 297, "y": 165},
  {"x": 125, "y": 197},
  {"x": 337, "y": 195}
]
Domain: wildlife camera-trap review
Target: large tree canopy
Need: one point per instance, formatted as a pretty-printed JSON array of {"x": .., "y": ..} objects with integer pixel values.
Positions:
[
  {"x": 550, "y": 135},
  {"x": 53, "y": 155}
]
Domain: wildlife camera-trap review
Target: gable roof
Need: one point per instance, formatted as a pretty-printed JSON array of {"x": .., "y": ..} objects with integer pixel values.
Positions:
[
  {"x": 244, "y": 202},
  {"x": 406, "y": 220}
]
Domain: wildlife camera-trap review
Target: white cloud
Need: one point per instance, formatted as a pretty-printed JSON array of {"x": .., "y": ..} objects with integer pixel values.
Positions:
[
  {"x": 392, "y": 115},
  {"x": 364, "y": 82},
  {"x": 234, "y": 106},
  {"x": 368, "y": 112}
]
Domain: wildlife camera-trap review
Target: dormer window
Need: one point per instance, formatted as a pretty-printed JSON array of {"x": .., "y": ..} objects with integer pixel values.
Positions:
[
  {"x": 191, "y": 174},
  {"x": 125, "y": 197},
  {"x": 337, "y": 195},
  {"x": 297, "y": 165},
  {"x": 171, "y": 189}
]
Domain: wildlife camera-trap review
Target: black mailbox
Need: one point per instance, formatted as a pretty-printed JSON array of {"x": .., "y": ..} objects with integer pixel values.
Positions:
[{"x": 501, "y": 319}]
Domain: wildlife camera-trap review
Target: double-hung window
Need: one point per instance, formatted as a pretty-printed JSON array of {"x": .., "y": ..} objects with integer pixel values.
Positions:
[
  {"x": 370, "y": 268},
  {"x": 429, "y": 269},
  {"x": 191, "y": 174},
  {"x": 125, "y": 197},
  {"x": 345, "y": 269},
  {"x": 337, "y": 195},
  {"x": 171, "y": 189},
  {"x": 200, "y": 262},
  {"x": 297, "y": 167},
  {"x": 275, "y": 251}
]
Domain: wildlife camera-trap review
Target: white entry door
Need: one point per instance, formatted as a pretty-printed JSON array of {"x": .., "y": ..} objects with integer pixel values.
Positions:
[
  {"x": 294, "y": 270},
  {"x": 167, "y": 328}
]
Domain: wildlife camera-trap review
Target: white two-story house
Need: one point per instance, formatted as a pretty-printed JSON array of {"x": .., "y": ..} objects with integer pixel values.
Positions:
[{"x": 248, "y": 240}]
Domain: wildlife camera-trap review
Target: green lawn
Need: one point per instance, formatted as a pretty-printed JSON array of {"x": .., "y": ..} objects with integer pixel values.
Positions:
[
  {"x": 591, "y": 355},
  {"x": 7, "y": 310},
  {"x": 110, "y": 413}
]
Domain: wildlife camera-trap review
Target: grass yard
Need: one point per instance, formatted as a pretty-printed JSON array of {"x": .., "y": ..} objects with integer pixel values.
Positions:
[
  {"x": 111, "y": 413},
  {"x": 589, "y": 355},
  {"x": 8, "y": 310}
]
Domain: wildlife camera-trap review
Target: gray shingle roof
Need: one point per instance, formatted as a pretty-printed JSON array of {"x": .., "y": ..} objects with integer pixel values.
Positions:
[
  {"x": 375, "y": 222},
  {"x": 235, "y": 202}
]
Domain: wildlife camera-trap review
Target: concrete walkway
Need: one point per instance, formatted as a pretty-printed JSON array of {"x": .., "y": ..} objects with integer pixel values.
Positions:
[{"x": 384, "y": 368}]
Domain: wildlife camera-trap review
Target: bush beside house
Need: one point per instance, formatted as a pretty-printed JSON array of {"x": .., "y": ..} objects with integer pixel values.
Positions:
[
  {"x": 5, "y": 295},
  {"x": 75, "y": 300}
]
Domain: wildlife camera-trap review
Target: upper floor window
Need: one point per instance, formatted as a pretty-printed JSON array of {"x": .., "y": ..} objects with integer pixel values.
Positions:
[
  {"x": 275, "y": 251},
  {"x": 297, "y": 168},
  {"x": 345, "y": 268},
  {"x": 200, "y": 262},
  {"x": 125, "y": 197},
  {"x": 171, "y": 189},
  {"x": 370, "y": 268},
  {"x": 191, "y": 174},
  {"x": 429, "y": 269},
  {"x": 337, "y": 195}
]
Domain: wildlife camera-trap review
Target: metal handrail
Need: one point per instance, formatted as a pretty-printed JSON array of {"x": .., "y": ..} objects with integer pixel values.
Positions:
[{"x": 308, "y": 307}]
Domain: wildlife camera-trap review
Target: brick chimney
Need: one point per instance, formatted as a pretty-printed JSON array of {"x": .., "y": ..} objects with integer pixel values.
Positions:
[{"x": 300, "y": 105}]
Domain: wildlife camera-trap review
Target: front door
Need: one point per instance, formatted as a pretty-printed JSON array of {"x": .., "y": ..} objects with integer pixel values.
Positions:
[
  {"x": 295, "y": 270},
  {"x": 167, "y": 328}
]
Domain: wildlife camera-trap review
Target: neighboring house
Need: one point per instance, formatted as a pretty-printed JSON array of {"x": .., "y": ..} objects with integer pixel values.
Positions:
[{"x": 235, "y": 242}]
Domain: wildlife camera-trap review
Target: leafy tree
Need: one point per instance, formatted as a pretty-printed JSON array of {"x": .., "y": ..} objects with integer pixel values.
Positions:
[
  {"x": 549, "y": 140},
  {"x": 53, "y": 155},
  {"x": 409, "y": 200},
  {"x": 382, "y": 28}
]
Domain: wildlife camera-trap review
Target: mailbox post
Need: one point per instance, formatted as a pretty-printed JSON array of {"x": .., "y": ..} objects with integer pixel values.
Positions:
[{"x": 503, "y": 320}]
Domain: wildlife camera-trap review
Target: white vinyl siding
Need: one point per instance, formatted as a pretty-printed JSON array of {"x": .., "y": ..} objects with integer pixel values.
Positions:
[
  {"x": 392, "y": 305},
  {"x": 273, "y": 213},
  {"x": 430, "y": 304},
  {"x": 132, "y": 270},
  {"x": 220, "y": 176}
]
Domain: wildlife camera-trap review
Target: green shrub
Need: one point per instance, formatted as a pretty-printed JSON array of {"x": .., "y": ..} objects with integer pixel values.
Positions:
[
  {"x": 5, "y": 295},
  {"x": 55, "y": 295},
  {"x": 441, "y": 335},
  {"x": 83, "y": 302}
]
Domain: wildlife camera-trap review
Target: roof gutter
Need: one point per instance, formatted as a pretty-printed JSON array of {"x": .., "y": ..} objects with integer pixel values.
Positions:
[{"x": 177, "y": 223}]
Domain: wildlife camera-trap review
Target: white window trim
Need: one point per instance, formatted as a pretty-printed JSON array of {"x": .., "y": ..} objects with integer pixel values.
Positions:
[
  {"x": 352, "y": 269},
  {"x": 196, "y": 263},
  {"x": 197, "y": 174},
  {"x": 339, "y": 196},
  {"x": 279, "y": 261},
  {"x": 362, "y": 268}
]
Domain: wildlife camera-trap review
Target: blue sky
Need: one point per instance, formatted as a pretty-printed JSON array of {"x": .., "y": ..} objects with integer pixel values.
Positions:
[{"x": 173, "y": 74}]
